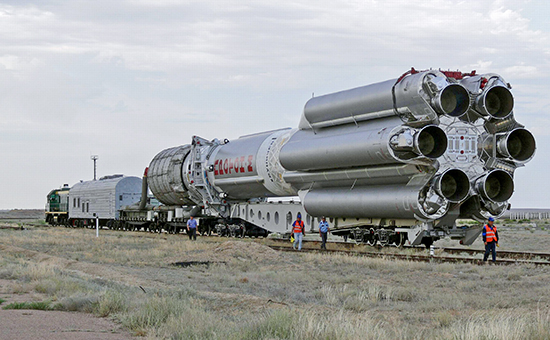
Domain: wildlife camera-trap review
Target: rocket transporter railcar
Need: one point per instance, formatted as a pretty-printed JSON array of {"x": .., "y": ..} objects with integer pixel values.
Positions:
[{"x": 390, "y": 162}]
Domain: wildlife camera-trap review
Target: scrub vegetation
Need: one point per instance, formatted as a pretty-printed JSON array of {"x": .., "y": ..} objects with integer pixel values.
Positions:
[{"x": 244, "y": 290}]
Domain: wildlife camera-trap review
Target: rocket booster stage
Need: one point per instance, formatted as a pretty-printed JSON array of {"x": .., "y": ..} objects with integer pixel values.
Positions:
[{"x": 415, "y": 147}]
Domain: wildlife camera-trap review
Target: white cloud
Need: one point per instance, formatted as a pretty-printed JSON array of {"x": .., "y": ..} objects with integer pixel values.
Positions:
[
  {"x": 522, "y": 71},
  {"x": 97, "y": 76}
]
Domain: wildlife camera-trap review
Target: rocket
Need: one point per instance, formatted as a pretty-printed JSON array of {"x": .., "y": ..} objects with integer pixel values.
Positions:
[{"x": 427, "y": 146}]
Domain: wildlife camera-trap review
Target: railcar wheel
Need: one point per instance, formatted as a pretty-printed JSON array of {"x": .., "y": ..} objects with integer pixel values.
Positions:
[
  {"x": 371, "y": 238},
  {"x": 402, "y": 239},
  {"x": 384, "y": 237},
  {"x": 357, "y": 236},
  {"x": 242, "y": 232}
]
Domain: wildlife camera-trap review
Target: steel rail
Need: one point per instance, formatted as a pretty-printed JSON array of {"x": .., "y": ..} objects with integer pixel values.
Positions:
[
  {"x": 284, "y": 245},
  {"x": 513, "y": 254}
]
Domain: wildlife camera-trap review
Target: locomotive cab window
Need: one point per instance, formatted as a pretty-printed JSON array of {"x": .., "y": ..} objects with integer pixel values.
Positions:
[{"x": 120, "y": 198}]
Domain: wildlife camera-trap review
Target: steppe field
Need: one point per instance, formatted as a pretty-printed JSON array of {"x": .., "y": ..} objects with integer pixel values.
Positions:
[{"x": 242, "y": 289}]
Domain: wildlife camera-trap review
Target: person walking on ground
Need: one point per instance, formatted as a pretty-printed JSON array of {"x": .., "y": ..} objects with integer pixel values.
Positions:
[
  {"x": 298, "y": 229},
  {"x": 192, "y": 228},
  {"x": 490, "y": 238},
  {"x": 323, "y": 231}
]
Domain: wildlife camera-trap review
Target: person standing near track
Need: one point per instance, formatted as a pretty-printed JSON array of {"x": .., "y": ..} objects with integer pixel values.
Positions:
[
  {"x": 490, "y": 238},
  {"x": 323, "y": 231},
  {"x": 298, "y": 229},
  {"x": 192, "y": 228}
]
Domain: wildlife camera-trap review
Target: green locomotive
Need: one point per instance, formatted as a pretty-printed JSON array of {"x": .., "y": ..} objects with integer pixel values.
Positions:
[{"x": 57, "y": 206}]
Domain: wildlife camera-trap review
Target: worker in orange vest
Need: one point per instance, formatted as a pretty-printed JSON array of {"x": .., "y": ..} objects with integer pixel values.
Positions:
[
  {"x": 299, "y": 230},
  {"x": 490, "y": 238}
]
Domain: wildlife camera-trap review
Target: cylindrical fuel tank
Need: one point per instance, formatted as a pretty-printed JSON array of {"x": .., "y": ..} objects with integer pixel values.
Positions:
[
  {"x": 249, "y": 166},
  {"x": 383, "y": 201},
  {"x": 390, "y": 174},
  {"x": 369, "y": 144},
  {"x": 165, "y": 176},
  {"x": 422, "y": 94}
]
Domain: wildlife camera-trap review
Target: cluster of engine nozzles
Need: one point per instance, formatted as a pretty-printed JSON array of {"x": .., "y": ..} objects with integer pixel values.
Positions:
[{"x": 411, "y": 120}]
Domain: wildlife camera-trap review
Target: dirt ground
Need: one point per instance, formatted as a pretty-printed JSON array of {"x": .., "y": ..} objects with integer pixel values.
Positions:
[
  {"x": 38, "y": 324},
  {"x": 242, "y": 276}
]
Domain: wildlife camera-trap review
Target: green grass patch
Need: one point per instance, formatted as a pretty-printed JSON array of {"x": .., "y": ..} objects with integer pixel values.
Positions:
[
  {"x": 2, "y": 301},
  {"x": 39, "y": 305}
]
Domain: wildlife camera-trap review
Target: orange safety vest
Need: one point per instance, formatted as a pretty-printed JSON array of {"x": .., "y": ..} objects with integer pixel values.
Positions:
[
  {"x": 298, "y": 227},
  {"x": 490, "y": 233}
]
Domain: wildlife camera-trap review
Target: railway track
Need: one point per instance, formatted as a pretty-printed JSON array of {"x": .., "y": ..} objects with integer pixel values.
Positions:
[
  {"x": 410, "y": 253},
  {"x": 508, "y": 254},
  {"x": 440, "y": 254}
]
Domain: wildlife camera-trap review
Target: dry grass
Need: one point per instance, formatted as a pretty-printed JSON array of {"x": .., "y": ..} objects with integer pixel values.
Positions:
[{"x": 253, "y": 293}]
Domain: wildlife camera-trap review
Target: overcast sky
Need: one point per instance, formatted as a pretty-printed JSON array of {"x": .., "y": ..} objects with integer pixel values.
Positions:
[{"x": 127, "y": 79}]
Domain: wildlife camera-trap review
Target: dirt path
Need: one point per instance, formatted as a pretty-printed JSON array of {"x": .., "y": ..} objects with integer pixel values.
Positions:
[{"x": 37, "y": 324}]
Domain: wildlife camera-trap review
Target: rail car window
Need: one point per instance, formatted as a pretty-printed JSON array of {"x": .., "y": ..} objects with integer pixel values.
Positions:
[
  {"x": 83, "y": 206},
  {"x": 120, "y": 198},
  {"x": 88, "y": 207},
  {"x": 79, "y": 202},
  {"x": 288, "y": 219},
  {"x": 74, "y": 202}
]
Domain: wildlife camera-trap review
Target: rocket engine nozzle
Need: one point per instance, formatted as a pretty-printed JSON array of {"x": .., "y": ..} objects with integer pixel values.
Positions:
[
  {"x": 431, "y": 142},
  {"x": 518, "y": 144},
  {"x": 453, "y": 101},
  {"x": 453, "y": 184},
  {"x": 496, "y": 186},
  {"x": 496, "y": 102}
]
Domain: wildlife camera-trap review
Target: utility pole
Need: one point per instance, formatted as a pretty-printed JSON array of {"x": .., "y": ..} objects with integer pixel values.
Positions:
[{"x": 94, "y": 158}]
